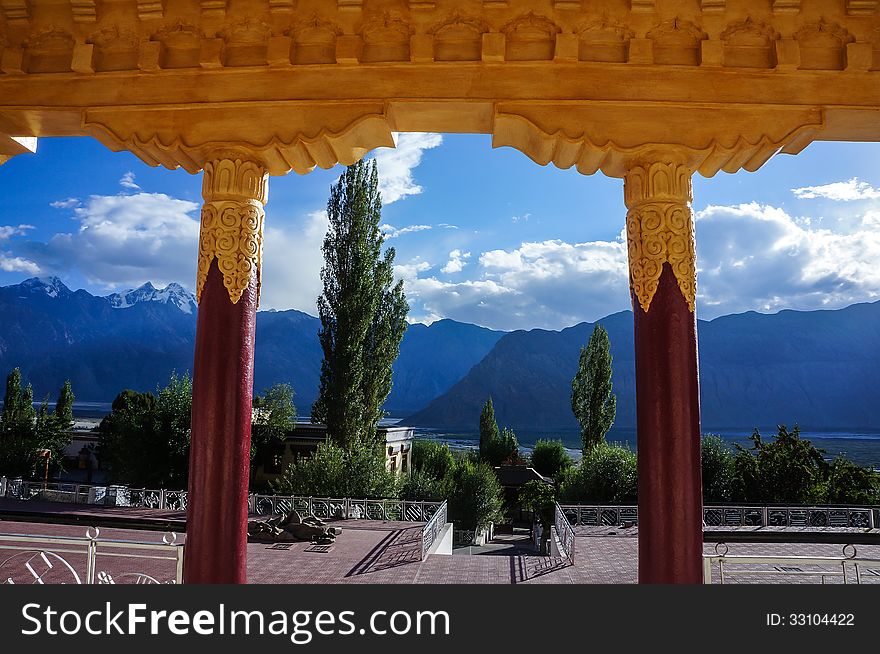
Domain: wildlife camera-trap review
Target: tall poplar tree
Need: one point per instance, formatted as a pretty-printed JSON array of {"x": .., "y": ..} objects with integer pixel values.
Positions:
[
  {"x": 488, "y": 428},
  {"x": 362, "y": 311},
  {"x": 593, "y": 403}
]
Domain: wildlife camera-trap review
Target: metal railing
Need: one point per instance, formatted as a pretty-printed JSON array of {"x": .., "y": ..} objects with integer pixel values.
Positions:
[
  {"x": 433, "y": 528},
  {"x": 344, "y": 508},
  {"x": 736, "y": 516},
  {"x": 89, "y": 560},
  {"x": 846, "y": 569},
  {"x": 565, "y": 533}
]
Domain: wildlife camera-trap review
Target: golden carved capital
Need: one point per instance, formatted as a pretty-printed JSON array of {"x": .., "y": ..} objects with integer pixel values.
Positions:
[
  {"x": 660, "y": 229},
  {"x": 235, "y": 189}
]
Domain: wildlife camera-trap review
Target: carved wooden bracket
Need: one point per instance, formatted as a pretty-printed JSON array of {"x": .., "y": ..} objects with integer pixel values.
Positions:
[
  {"x": 283, "y": 136},
  {"x": 609, "y": 137}
]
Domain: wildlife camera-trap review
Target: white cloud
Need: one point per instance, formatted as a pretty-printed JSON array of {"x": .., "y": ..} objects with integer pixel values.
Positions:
[
  {"x": 8, "y": 231},
  {"x": 523, "y": 218},
  {"x": 396, "y": 165},
  {"x": 750, "y": 257},
  {"x": 127, "y": 181},
  {"x": 125, "y": 240},
  {"x": 456, "y": 262},
  {"x": 390, "y": 231},
  {"x": 847, "y": 191},
  {"x": 758, "y": 257},
  {"x": 69, "y": 203},
  {"x": 18, "y": 264},
  {"x": 292, "y": 261},
  {"x": 550, "y": 284}
]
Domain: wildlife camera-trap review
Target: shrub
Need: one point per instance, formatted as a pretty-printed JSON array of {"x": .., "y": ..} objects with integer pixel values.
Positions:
[
  {"x": 850, "y": 483},
  {"x": 474, "y": 494},
  {"x": 550, "y": 458},
  {"x": 333, "y": 471},
  {"x": 418, "y": 486},
  {"x": 607, "y": 474},
  {"x": 718, "y": 469},
  {"x": 788, "y": 469},
  {"x": 540, "y": 498},
  {"x": 432, "y": 458}
]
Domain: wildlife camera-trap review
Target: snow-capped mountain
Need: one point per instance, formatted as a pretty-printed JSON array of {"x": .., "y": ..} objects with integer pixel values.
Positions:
[
  {"x": 173, "y": 294},
  {"x": 50, "y": 286}
]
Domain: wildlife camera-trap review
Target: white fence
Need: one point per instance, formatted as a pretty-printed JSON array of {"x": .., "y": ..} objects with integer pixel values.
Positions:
[
  {"x": 744, "y": 569},
  {"x": 864, "y": 517},
  {"x": 89, "y": 560}
]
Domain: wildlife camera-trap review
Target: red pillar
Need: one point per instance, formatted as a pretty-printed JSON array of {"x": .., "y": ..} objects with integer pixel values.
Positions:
[
  {"x": 663, "y": 279},
  {"x": 230, "y": 249}
]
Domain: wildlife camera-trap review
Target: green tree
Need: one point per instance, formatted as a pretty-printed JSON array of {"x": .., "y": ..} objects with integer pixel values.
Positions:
[
  {"x": 274, "y": 418},
  {"x": 145, "y": 439},
  {"x": 607, "y": 474},
  {"x": 788, "y": 469},
  {"x": 504, "y": 448},
  {"x": 550, "y": 458},
  {"x": 173, "y": 429},
  {"x": 64, "y": 406},
  {"x": 26, "y": 432},
  {"x": 474, "y": 494},
  {"x": 718, "y": 469},
  {"x": 488, "y": 426},
  {"x": 593, "y": 403},
  {"x": 362, "y": 312}
]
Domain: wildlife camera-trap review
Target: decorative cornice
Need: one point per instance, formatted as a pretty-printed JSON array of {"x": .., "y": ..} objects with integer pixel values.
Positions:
[
  {"x": 114, "y": 38},
  {"x": 861, "y": 7},
  {"x": 151, "y": 9},
  {"x": 314, "y": 30},
  {"x": 386, "y": 27},
  {"x": 660, "y": 229},
  {"x": 84, "y": 11},
  {"x": 823, "y": 32},
  {"x": 235, "y": 190},
  {"x": 246, "y": 32},
  {"x": 458, "y": 26},
  {"x": 677, "y": 32},
  {"x": 786, "y": 6},
  {"x": 15, "y": 11},
  {"x": 604, "y": 30},
  {"x": 749, "y": 32},
  {"x": 50, "y": 39},
  {"x": 178, "y": 33},
  {"x": 531, "y": 26}
]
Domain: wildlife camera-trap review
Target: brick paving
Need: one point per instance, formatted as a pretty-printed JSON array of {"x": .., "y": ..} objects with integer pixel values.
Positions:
[{"x": 372, "y": 552}]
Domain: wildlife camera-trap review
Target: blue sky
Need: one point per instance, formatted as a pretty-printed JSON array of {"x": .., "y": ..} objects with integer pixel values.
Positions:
[{"x": 481, "y": 235}]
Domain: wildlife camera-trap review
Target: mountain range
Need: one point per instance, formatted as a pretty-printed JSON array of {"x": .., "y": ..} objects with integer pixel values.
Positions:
[
  {"x": 134, "y": 339},
  {"x": 818, "y": 368}
]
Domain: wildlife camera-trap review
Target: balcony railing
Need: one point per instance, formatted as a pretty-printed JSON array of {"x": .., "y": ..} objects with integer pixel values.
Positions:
[
  {"x": 565, "y": 533},
  {"x": 433, "y": 528},
  {"x": 864, "y": 517},
  {"x": 34, "y": 559},
  {"x": 846, "y": 569}
]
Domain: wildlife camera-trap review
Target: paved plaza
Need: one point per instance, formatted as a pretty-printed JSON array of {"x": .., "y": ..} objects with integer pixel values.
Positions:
[{"x": 374, "y": 552}]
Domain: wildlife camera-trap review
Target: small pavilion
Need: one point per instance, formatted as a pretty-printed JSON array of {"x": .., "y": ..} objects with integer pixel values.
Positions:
[{"x": 650, "y": 91}]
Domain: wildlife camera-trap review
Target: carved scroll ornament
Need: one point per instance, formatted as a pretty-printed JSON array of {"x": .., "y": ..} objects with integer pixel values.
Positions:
[
  {"x": 235, "y": 191},
  {"x": 660, "y": 229}
]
